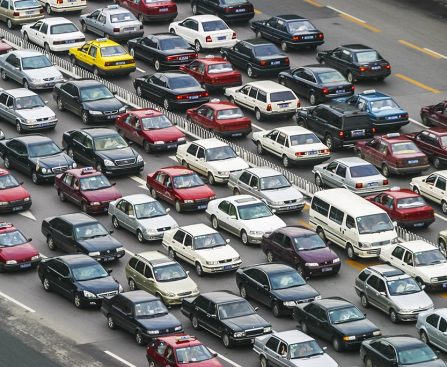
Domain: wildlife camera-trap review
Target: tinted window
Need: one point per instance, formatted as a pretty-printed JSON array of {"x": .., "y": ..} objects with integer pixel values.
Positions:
[
  {"x": 320, "y": 206},
  {"x": 272, "y": 343},
  {"x": 433, "y": 320},
  {"x": 350, "y": 222},
  {"x": 133, "y": 262},
  {"x": 373, "y": 282},
  {"x": 245, "y": 177},
  {"x": 224, "y": 205},
  {"x": 398, "y": 252},
  {"x": 442, "y": 325},
  {"x": 179, "y": 236},
  {"x": 336, "y": 215},
  {"x": 202, "y": 303},
  {"x": 253, "y": 92},
  {"x": 262, "y": 96},
  {"x": 364, "y": 275},
  {"x": 192, "y": 149},
  {"x": 282, "y": 96},
  {"x": 140, "y": 267}
]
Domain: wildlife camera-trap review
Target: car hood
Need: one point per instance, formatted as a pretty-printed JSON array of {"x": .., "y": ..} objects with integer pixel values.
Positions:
[
  {"x": 247, "y": 322},
  {"x": 300, "y": 293},
  {"x": 288, "y": 193},
  {"x": 232, "y": 164},
  {"x": 100, "y": 243},
  {"x": 60, "y": 159},
  {"x": 109, "y": 104},
  {"x": 36, "y": 113},
  {"x": 14, "y": 193},
  {"x": 259, "y": 134},
  {"x": 192, "y": 193},
  {"x": 315, "y": 361},
  {"x": 167, "y": 321},
  {"x": 158, "y": 222},
  {"x": 358, "y": 327},
  {"x": 435, "y": 270},
  {"x": 418, "y": 179},
  {"x": 19, "y": 252},
  {"x": 49, "y": 72},
  {"x": 414, "y": 301},
  {"x": 100, "y": 285},
  {"x": 178, "y": 286},
  {"x": 391, "y": 111},
  {"x": 122, "y": 153},
  {"x": 107, "y": 194},
  {"x": 169, "y": 134},
  {"x": 218, "y": 253},
  {"x": 318, "y": 255},
  {"x": 266, "y": 224}
]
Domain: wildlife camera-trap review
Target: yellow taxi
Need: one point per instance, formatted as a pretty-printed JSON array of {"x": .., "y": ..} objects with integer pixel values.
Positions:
[{"x": 103, "y": 57}]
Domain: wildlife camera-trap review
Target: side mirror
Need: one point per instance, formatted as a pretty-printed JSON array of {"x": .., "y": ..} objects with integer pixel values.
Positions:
[
  {"x": 187, "y": 272},
  {"x": 129, "y": 143},
  {"x": 324, "y": 348},
  {"x": 423, "y": 287},
  {"x": 227, "y": 240},
  {"x": 109, "y": 271},
  {"x": 169, "y": 186},
  {"x": 382, "y": 294},
  {"x": 11, "y": 107},
  {"x": 395, "y": 224},
  {"x": 214, "y": 316},
  {"x": 29, "y": 239},
  {"x": 273, "y": 211},
  {"x": 233, "y": 217},
  {"x": 111, "y": 231},
  {"x": 76, "y": 98},
  {"x": 215, "y": 355},
  {"x": 46, "y": 102},
  {"x": 114, "y": 92},
  {"x": 256, "y": 309},
  {"x": 202, "y": 159},
  {"x": 168, "y": 210},
  {"x": 423, "y": 180},
  {"x": 113, "y": 183}
]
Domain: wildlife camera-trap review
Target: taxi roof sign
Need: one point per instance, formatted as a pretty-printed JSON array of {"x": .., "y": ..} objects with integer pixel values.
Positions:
[
  {"x": 103, "y": 39},
  {"x": 87, "y": 170},
  {"x": 395, "y": 188},
  {"x": 392, "y": 135},
  {"x": 185, "y": 338},
  {"x": 112, "y": 6},
  {"x": 369, "y": 91}
]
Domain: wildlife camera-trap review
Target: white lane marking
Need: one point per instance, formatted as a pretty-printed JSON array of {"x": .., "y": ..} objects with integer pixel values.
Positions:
[
  {"x": 140, "y": 181},
  {"x": 141, "y": 70},
  {"x": 342, "y": 12},
  {"x": 17, "y": 302},
  {"x": 417, "y": 122},
  {"x": 118, "y": 358},
  {"x": 440, "y": 217},
  {"x": 225, "y": 358},
  {"x": 128, "y": 252},
  {"x": 173, "y": 157},
  {"x": 437, "y": 53},
  {"x": 258, "y": 127},
  {"x": 27, "y": 214}
]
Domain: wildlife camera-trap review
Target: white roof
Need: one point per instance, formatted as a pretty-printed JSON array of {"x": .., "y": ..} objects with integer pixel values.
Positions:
[
  {"x": 56, "y": 20},
  {"x": 239, "y": 200},
  {"x": 204, "y": 18},
  {"x": 293, "y": 336},
  {"x": 296, "y": 130},
  {"x": 268, "y": 86},
  {"x": 264, "y": 171},
  {"x": 442, "y": 173},
  {"x": 138, "y": 198},
  {"x": 417, "y": 246},
  {"x": 26, "y": 53},
  {"x": 210, "y": 143},
  {"x": 198, "y": 229},
  {"x": 20, "y": 92}
]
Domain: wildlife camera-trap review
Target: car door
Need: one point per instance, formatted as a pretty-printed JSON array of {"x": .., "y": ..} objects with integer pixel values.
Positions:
[
  {"x": 201, "y": 307},
  {"x": 271, "y": 350},
  {"x": 336, "y": 230},
  {"x": 7, "y": 107},
  {"x": 68, "y": 94},
  {"x": 250, "y": 99},
  {"x": 18, "y": 156},
  {"x": 90, "y": 58},
  {"x": 187, "y": 29},
  {"x": 396, "y": 257},
  {"x": 376, "y": 293},
  {"x": 177, "y": 243},
  {"x": 269, "y": 31},
  {"x": 438, "y": 115},
  {"x": 235, "y": 225},
  {"x": 199, "y": 163},
  {"x": 34, "y": 34},
  {"x": 222, "y": 214},
  {"x": 154, "y": 88},
  {"x": 241, "y": 96},
  {"x": 62, "y": 279},
  {"x": 298, "y": 81},
  {"x": 83, "y": 148},
  {"x": 242, "y": 55},
  {"x": 121, "y": 211},
  {"x": 120, "y": 311},
  {"x": 243, "y": 183},
  {"x": 205, "y": 115},
  {"x": 13, "y": 68},
  {"x": 329, "y": 174},
  {"x": 340, "y": 176},
  {"x": 317, "y": 121},
  {"x": 316, "y": 318},
  {"x": 383, "y": 355},
  {"x": 190, "y": 156},
  {"x": 212, "y": 319},
  {"x": 92, "y": 22},
  {"x": 269, "y": 141},
  {"x": 66, "y": 185},
  {"x": 145, "y": 48},
  {"x": 169, "y": 191},
  {"x": 333, "y": 58},
  {"x": 64, "y": 235},
  {"x": 427, "y": 188}
]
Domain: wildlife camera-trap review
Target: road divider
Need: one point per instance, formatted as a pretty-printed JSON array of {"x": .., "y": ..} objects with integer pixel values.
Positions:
[
  {"x": 314, "y": 3},
  {"x": 417, "y": 84}
]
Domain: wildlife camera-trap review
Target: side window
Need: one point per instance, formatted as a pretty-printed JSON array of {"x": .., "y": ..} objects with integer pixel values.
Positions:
[
  {"x": 350, "y": 222},
  {"x": 277, "y": 237},
  {"x": 321, "y": 314},
  {"x": 364, "y": 275},
  {"x": 85, "y": 48},
  {"x": 334, "y": 120},
  {"x": 224, "y": 206},
  {"x": 341, "y": 171},
  {"x": 442, "y": 325},
  {"x": 381, "y": 285},
  {"x": 202, "y": 303},
  {"x": 92, "y": 51},
  {"x": 346, "y": 56},
  {"x": 272, "y": 22},
  {"x": 383, "y": 147},
  {"x": 441, "y": 183},
  {"x": 201, "y": 153},
  {"x": 102, "y": 19},
  {"x": 193, "y": 66},
  {"x": 3, "y": 98},
  {"x": 160, "y": 178},
  {"x": 281, "y": 139},
  {"x": 408, "y": 258},
  {"x": 148, "y": 272},
  {"x": 60, "y": 268},
  {"x": 68, "y": 179},
  {"x": 273, "y": 135},
  {"x": 245, "y": 89},
  {"x": 433, "y": 320},
  {"x": 272, "y": 343},
  {"x": 332, "y": 167},
  {"x": 336, "y": 215},
  {"x": 398, "y": 252},
  {"x": 5, "y": 4},
  {"x": 232, "y": 211},
  {"x": 254, "y": 182},
  {"x": 140, "y": 267},
  {"x": 88, "y": 142},
  {"x": 44, "y": 28},
  {"x": 192, "y": 149},
  {"x": 188, "y": 240},
  {"x": 373, "y": 282},
  {"x": 262, "y": 96},
  {"x": 320, "y": 206},
  {"x": 133, "y": 262},
  {"x": 245, "y": 177},
  {"x": 201, "y": 68},
  {"x": 179, "y": 236},
  {"x": 431, "y": 179},
  {"x": 253, "y": 92},
  {"x": 161, "y": 348},
  {"x": 309, "y": 76}
]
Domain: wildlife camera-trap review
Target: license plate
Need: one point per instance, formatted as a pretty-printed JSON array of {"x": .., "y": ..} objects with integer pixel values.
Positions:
[
  {"x": 16, "y": 208},
  {"x": 275, "y": 62},
  {"x": 391, "y": 117},
  {"x": 193, "y": 97},
  {"x": 183, "y": 58},
  {"x": 171, "y": 146},
  {"x": 30, "y": 12},
  {"x": 326, "y": 269},
  {"x": 48, "y": 85},
  {"x": 293, "y": 207},
  {"x": 240, "y": 10},
  {"x": 373, "y": 184},
  {"x": 226, "y": 267},
  {"x": 24, "y": 266},
  {"x": 313, "y": 152},
  {"x": 236, "y": 134},
  {"x": 308, "y": 37},
  {"x": 338, "y": 91},
  {"x": 413, "y": 161},
  {"x": 120, "y": 63},
  {"x": 71, "y": 1},
  {"x": 418, "y": 224},
  {"x": 221, "y": 38},
  {"x": 163, "y": 10},
  {"x": 375, "y": 68},
  {"x": 444, "y": 285},
  {"x": 128, "y": 29},
  {"x": 283, "y": 105},
  {"x": 70, "y": 41},
  {"x": 110, "y": 258},
  {"x": 358, "y": 133},
  {"x": 204, "y": 206}
]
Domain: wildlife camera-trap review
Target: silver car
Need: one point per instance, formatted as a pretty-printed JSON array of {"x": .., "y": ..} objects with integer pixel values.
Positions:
[
  {"x": 113, "y": 22},
  {"x": 142, "y": 215},
  {"x": 392, "y": 291},
  {"x": 26, "y": 110},
  {"x": 291, "y": 348},
  {"x": 268, "y": 185},
  {"x": 31, "y": 69},
  {"x": 353, "y": 173},
  {"x": 432, "y": 327}
]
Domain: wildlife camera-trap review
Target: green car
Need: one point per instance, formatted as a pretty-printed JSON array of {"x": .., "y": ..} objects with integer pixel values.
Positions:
[{"x": 442, "y": 242}]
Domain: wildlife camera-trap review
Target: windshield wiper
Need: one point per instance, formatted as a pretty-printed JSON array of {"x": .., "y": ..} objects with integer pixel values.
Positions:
[{"x": 97, "y": 235}]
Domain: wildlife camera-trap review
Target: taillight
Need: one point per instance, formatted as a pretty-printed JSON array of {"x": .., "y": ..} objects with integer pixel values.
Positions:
[
  {"x": 208, "y": 39},
  {"x": 170, "y": 58},
  {"x": 299, "y": 154},
  {"x": 286, "y": 61},
  {"x": 385, "y": 182},
  {"x": 296, "y": 38},
  {"x": 41, "y": 10},
  {"x": 204, "y": 94},
  {"x": 388, "y": 66},
  {"x": 325, "y": 91},
  {"x": 227, "y": 10},
  {"x": 233, "y": 36},
  {"x": 108, "y": 64},
  {"x": 60, "y": 1},
  {"x": 358, "y": 185},
  {"x": 404, "y": 116},
  {"x": 321, "y": 35},
  {"x": 353, "y": 87},
  {"x": 324, "y": 151},
  {"x": 194, "y": 56},
  {"x": 269, "y": 107},
  {"x": 263, "y": 62},
  {"x": 341, "y": 134},
  {"x": 298, "y": 104},
  {"x": 181, "y": 96},
  {"x": 363, "y": 68},
  {"x": 116, "y": 29}
]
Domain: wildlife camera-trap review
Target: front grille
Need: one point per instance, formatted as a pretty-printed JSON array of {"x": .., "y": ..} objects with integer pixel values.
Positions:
[
  {"x": 107, "y": 294},
  {"x": 43, "y": 119},
  {"x": 304, "y": 300},
  {"x": 290, "y": 201},
  {"x": 325, "y": 263},
  {"x": 110, "y": 112},
  {"x": 364, "y": 336},
  {"x": 381, "y": 243},
  {"x": 16, "y": 202},
  {"x": 124, "y": 162},
  {"x": 167, "y": 331},
  {"x": 442, "y": 279},
  {"x": 162, "y": 229},
  {"x": 60, "y": 169},
  {"x": 111, "y": 252},
  {"x": 254, "y": 332},
  {"x": 184, "y": 294},
  {"x": 48, "y": 79},
  {"x": 225, "y": 261},
  {"x": 199, "y": 201}
]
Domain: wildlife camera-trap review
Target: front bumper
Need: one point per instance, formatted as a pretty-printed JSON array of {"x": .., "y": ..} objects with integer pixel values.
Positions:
[
  {"x": 322, "y": 270},
  {"x": 31, "y": 264},
  {"x": 409, "y": 170},
  {"x": 249, "y": 339},
  {"x": 287, "y": 208},
  {"x": 126, "y": 36},
  {"x": 104, "y": 258},
  {"x": 124, "y": 170},
  {"x": 165, "y": 146},
  {"x": 177, "y": 300},
  {"x": 221, "y": 267},
  {"x": 410, "y": 316},
  {"x": 367, "y": 253},
  {"x": 66, "y": 46},
  {"x": 238, "y": 17},
  {"x": 15, "y": 206},
  {"x": 98, "y": 209},
  {"x": 50, "y": 124},
  {"x": 42, "y": 84},
  {"x": 187, "y": 207}
]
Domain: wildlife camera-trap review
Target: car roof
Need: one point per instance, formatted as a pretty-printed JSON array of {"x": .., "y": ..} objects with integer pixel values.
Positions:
[
  {"x": 138, "y": 296},
  {"x": 417, "y": 246},
  {"x": 98, "y": 131},
  {"x": 145, "y": 112},
  {"x": 346, "y": 108},
  {"x": 357, "y": 47},
  {"x": 176, "y": 170},
  {"x": 77, "y": 259},
  {"x": 19, "y": 92},
  {"x": 138, "y": 198},
  {"x": 293, "y": 336},
  {"x": 263, "y": 171},
  {"x": 204, "y": 17},
  {"x": 441, "y": 312},
  {"x": 115, "y": 9},
  {"x": 257, "y": 41},
  {"x": 154, "y": 257},
  {"x": 333, "y": 302},
  {"x": 32, "y": 139},
  {"x": 56, "y": 20},
  {"x": 318, "y": 69},
  {"x": 210, "y": 143},
  {"x": 198, "y": 229},
  {"x": 222, "y": 296},
  {"x": 441, "y": 173},
  {"x": 352, "y": 161},
  {"x": 176, "y": 74},
  {"x": 293, "y": 130},
  {"x": 387, "y": 270},
  {"x": 293, "y": 231},
  {"x": 164, "y": 35},
  {"x": 438, "y": 130},
  {"x": 394, "y": 138},
  {"x": 272, "y": 268},
  {"x": 26, "y": 53},
  {"x": 212, "y": 59},
  {"x": 103, "y": 42},
  {"x": 399, "y": 193},
  {"x": 221, "y": 105},
  {"x": 290, "y": 17},
  {"x": 268, "y": 85},
  {"x": 373, "y": 95},
  {"x": 180, "y": 340},
  {"x": 405, "y": 341},
  {"x": 242, "y": 199},
  {"x": 85, "y": 82},
  {"x": 77, "y": 218}
]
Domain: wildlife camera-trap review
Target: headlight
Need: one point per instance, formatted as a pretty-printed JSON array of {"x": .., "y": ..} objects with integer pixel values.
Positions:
[
  {"x": 11, "y": 262},
  {"x": 239, "y": 334},
  {"x": 256, "y": 233},
  {"x": 59, "y": 77},
  {"x": 122, "y": 110},
  {"x": 212, "y": 262},
  {"x": 44, "y": 170},
  {"x": 139, "y": 158},
  {"x": 212, "y": 197},
  {"x": 27, "y": 199},
  {"x": 3, "y": 203},
  {"x": 377, "y": 333},
  {"x": 94, "y": 253},
  {"x": 159, "y": 142},
  {"x": 95, "y": 203},
  {"x": 120, "y": 288},
  {"x": 317, "y": 298},
  {"x": 95, "y": 112},
  {"x": 181, "y": 139},
  {"x": 289, "y": 303},
  {"x": 108, "y": 163},
  {"x": 236, "y": 258},
  {"x": 74, "y": 165},
  {"x": 195, "y": 290},
  {"x": 88, "y": 294},
  {"x": 395, "y": 240},
  {"x": 365, "y": 244},
  {"x": 433, "y": 280},
  {"x": 349, "y": 338},
  {"x": 188, "y": 201},
  {"x": 35, "y": 257},
  {"x": 35, "y": 80},
  {"x": 170, "y": 294},
  {"x": 178, "y": 328},
  {"x": 29, "y": 121},
  {"x": 153, "y": 332},
  {"x": 151, "y": 230},
  {"x": 335, "y": 261},
  {"x": 52, "y": 117},
  {"x": 223, "y": 173},
  {"x": 311, "y": 264},
  {"x": 268, "y": 329},
  {"x": 275, "y": 202},
  {"x": 120, "y": 249}
]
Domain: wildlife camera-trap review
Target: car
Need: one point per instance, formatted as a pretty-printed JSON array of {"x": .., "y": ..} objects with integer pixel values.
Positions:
[
  {"x": 234, "y": 320},
  {"x": 277, "y": 286},
  {"x": 55, "y": 6},
  {"x": 172, "y": 90},
  {"x": 405, "y": 207},
  {"x": 103, "y": 57},
  {"x": 228, "y": 10},
  {"x": 4, "y": 47},
  {"x": 352, "y": 173},
  {"x": 181, "y": 351},
  {"x": 89, "y": 99},
  {"x": 317, "y": 83},
  {"x": 384, "y": 112},
  {"x": 13, "y": 13},
  {"x": 79, "y": 278},
  {"x": 265, "y": 98},
  {"x": 16, "y": 251},
  {"x": 393, "y": 154},
  {"x": 435, "y": 115},
  {"x": 393, "y": 292},
  {"x": 31, "y": 69},
  {"x": 420, "y": 259},
  {"x": 80, "y": 233},
  {"x": 339, "y": 125},
  {"x": 36, "y": 156},
  {"x": 245, "y": 216},
  {"x": 433, "y": 142},
  {"x": 398, "y": 351},
  {"x": 356, "y": 62},
  {"x": 432, "y": 187},
  {"x": 290, "y": 348},
  {"x": 269, "y": 185},
  {"x": 112, "y": 21},
  {"x": 54, "y": 34},
  {"x": 291, "y": 31},
  {"x": 204, "y": 32},
  {"x": 211, "y": 158},
  {"x": 431, "y": 326},
  {"x": 26, "y": 110},
  {"x": 163, "y": 50},
  {"x": 202, "y": 247},
  {"x": 258, "y": 57},
  {"x": 2, "y": 135},
  {"x": 213, "y": 72},
  {"x": 336, "y": 320},
  {"x": 104, "y": 149},
  {"x": 87, "y": 188},
  {"x": 293, "y": 144},
  {"x": 180, "y": 187},
  {"x": 157, "y": 274},
  {"x": 140, "y": 314},
  {"x": 301, "y": 248},
  {"x": 151, "y": 129},
  {"x": 142, "y": 215},
  {"x": 13, "y": 196},
  {"x": 151, "y": 10}
]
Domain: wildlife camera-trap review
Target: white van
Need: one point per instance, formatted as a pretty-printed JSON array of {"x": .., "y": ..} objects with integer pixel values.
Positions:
[{"x": 352, "y": 222}]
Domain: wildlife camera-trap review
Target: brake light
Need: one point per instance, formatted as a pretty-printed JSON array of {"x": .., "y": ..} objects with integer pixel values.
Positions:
[
  {"x": 170, "y": 58},
  {"x": 269, "y": 107},
  {"x": 385, "y": 182},
  {"x": 358, "y": 185},
  {"x": 194, "y": 56},
  {"x": 233, "y": 36},
  {"x": 373, "y": 130},
  {"x": 60, "y": 1},
  {"x": 141, "y": 26},
  {"x": 204, "y": 94},
  {"x": 363, "y": 68},
  {"x": 353, "y": 87},
  {"x": 324, "y": 151},
  {"x": 388, "y": 66},
  {"x": 405, "y": 116},
  {"x": 116, "y": 29},
  {"x": 227, "y": 10},
  {"x": 208, "y": 39},
  {"x": 296, "y": 38},
  {"x": 299, "y": 154},
  {"x": 341, "y": 134},
  {"x": 181, "y": 96},
  {"x": 298, "y": 104},
  {"x": 286, "y": 61},
  {"x": 325, "y": 91},
  {"x": 321, "y": 35},
  {"x": 263, "y": 62}
]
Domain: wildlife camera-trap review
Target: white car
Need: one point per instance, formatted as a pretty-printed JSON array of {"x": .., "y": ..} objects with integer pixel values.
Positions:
[
  {"x": 245, "y": 216},
  {"x": 202, "y": 247},
  {"x": 62, "y": 6},
  {"x": 293, "y": 144},
  {"x": 204, "y": 32},
  {"x": 419, "y": 259},
  {"x": 432, "y": 187},
  {"x": 53, "y": 34},
  {"x": 212, "y": 158},
  {"x": 265, "y": 98}
]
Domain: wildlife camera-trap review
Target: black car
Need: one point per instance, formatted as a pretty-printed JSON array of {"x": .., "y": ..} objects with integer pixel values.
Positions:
[
  {"x": 290, "y": 31},
  {"x": 226, "y": 315},
  {"x": 163, "y": 50},
  {"x": 257, "y": 57},
  {"x": 173, "y": 90},
  {"x": 36, "y": 156},
  {"x": 336, "y": 320},
  {"x": 141, "y": 314},
  {"x": 78, "y": 278},
  {"x": 356, "y": 62},
  {"x": 80, "y": 233},
  {"x": 277, "y": 286},
  {"x": 89, "y": 99},
  {"x": 104, "y": 149},
  {"x": 398, "y": 351},
  {"x": 228, "y": 10},
  {"x": 337, "y": 125},
  {"x": 317, "y": 83}
]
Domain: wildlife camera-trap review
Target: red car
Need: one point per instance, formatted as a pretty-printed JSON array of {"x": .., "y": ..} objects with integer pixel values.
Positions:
[
  {"x": 393, "y": 153},
  {"x": 224, "y": 118},
  {"x": 405, "y": 207},
  {"x": 435, "y": 115},
  {"x": 180, "y": 186},
  {"x": 432, "y": 142},
  {"x": 4, "y": 47},
  {"x": 180, "y": 351},
  {"x": 13, "y": 197},
  {"x": 149, "y": 128},
  {"x": 151, "y": 10},
  {"x": 16, "y": 251},
  {"x": 86, "y": 187},
  {"x": 213, "y": 73}
]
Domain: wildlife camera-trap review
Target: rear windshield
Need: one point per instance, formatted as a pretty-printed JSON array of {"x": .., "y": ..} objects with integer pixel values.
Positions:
[
  {"x": 363, "y": 171},
  {"x": 23, "y": 4},
  {"x": 63, "y": 28},
  {"x": 282, "y": 96},
  {"x": 368, "y": 56},
  {"x": 267, "y": 50},
  {"x": 122, "y": 17},
  {"x": 214, "y": 25},
  {"x": 356, "y": 122}
]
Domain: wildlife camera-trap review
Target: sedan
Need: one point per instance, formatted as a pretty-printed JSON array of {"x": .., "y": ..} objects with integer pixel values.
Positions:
[
  {"x": 228, "y": 10},
  {"x": 435, "y": 115},
  {"x": 433, "y": 142},
  {"x": 13, "y": 196},
  {"x": 151, "y": 10},
  {"x": 432, "y": 187},
  {"x": 432, "y": 328}
]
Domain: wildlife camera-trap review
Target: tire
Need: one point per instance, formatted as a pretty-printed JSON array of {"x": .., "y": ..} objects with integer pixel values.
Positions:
[
  {"x": 151, "y": 363},
  {"x": 364, "y": 300},
  {"x": 244, "y": 237},
  {"x": 141, "y": 18},
  {"x": 132, "y": 285},
  {"x": 393, "y": 317},
  {"x": 350, "y": 77},
  {"x": 7, "y": 162},
  {"x": 284, "y": 46},
  {"x": 243, "y": 292},
  {"x": 236, "y": 191},
  {"x": 258, "y": 114},
  {"x": 184, "y": 164},
  {"x": 318, "y": 181},
  {"x": 60, "y": 104},
  {"x": 276, "y": 309},
  {"x": 258, "y": 34},
  {"x": 132, "y": 52},
  {"x": 226, "y": 341},
  {"x": 25, "y": 37},
  {"x": 46, "y": 47},
  {"x": 211, "y": 179},
  {"x": 442, "y": 247},
  {"x": 77, "y": 301},
  {"x": 146, "y": 147},
  {"x": 35, "y": 178},
  {"x": 270, "y": 257},
  {"x": 214, "y": 222},
  {"x": 172, "y": 31},
  {"x": 437, "y": 163},
  {"x": 110, "y": 323},
  {"x": 360, "y": 154},
  {"x": 444, "y": 206},
  {"x": 320, "y": 232},
  {"x": 157, "y": 65},
  {"x": 178, "y": 207},
  {"x": 194, "y": 9},
  {"x": 85, "y": 117},
  {"x": 166, "y": 104},
  {"x": 9, "y": 24},
  {"x": 350, "y": 251},
  {"x": 250, "y": 72},
  {"x": 304, "y": 328},
  {"x": 195, "y": 322},
  {"x": 19, "y": 128},
  {"x": 61, "y": 195},
  {"x": 46, "y": 284},
  {"x": 199, "y": 269},
  {"x": 263, "y": 362},
  {"x": 25, "y": 84},
  {"x": 329, "y": 141},
  {"x": 84, "y": 27},
  {"x": 153, "y": 193},
  {"x": 424, "y": 337},
  {"x": 3, "y": 75},
  {"x": 139, "y": 338},
  {"x": 95, "y": 71},
  {"x": 140, "y": 237},
  {"x": 84, "y": 207},
  {"x": 312, "y": 99},
  {"x": 285, "y": 161},
  {"x": 336, "y": 344},
  {"x": 368, "y": 362},
  {"x": 197, "y": 46},
  {"x": 259, "y": 148},
  {"x": 171, "y": 253},
  {"x": 139, "y": 91},
  {"x": 70, "y": 152},
  {"x": 301, "y": 122},
  {"x": 385, "y": 170},
  {"x": 416, "y": 190}
]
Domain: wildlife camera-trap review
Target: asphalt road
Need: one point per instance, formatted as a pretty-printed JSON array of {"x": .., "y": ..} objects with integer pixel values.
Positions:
[{"x": 418, "y": 79}]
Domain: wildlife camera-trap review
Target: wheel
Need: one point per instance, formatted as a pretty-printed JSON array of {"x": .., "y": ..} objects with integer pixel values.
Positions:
[
  {"x": 270, "y": 257},
  {"x": 178, "y": 206},
  {"x": 258, "y": 34},
  {"x": 304, "y": 328},
  {"x": 3, "y": 75},
  {"x": 329, "y": 141},
  {"x": 46, "y": 284},
  {"x": 19, "y": 127},
  {"x": 444, "y": 206},
  {"x": 442, "y": 247},
  {"x": 318, "y": 181},
  {"x": 84, "y": 207},
  {"x": 197, "y": 46},
  {"x": 214, "y": 222},
  {"x": 285, "y": 161},
  {"x": 61, "y": 195},
  {"x": 263, "y": 362},
  {"x": 140, "y": 236},
  {"x": 171, "y": 253},
  {"x": 139, "y": 338},
  {"x": 110, "y": 322},
  {"x": 146, "y": 147},
  {"x": 350, "y": 251},
  {"x": 73, "y": 60},
  {"x": 46, "y": 46},
  {"x": 236, "y": 191},
  {"x": 276, "y": 309},
  {"x": 243, "y": 292},
  {"x": 172, "y": 31},
  {"x": 312, "y": 99},
  {"x": 9, "y": 24},
  {"x": 195, "y": 323},
  {"x": 424, "y": 337},
  {"x": 199, "y": 269},
  {"x": 35, "y": 178},
  {"x": 385, "y": 170},
  {"x": 320, "y": 232},
  {"x": 7, "y": 163},
  {"x": 132, "y": 52},
  {"x": 25, "y": 37},
  {"x": 77, "y": 300},
  {"x": 132, "y": 285},
  {"x": 336, "y": 344},
  {"x": 258, "y": 114},
  {"x": 84, "y": 27},
  {"x": 166, "y": 104},
  {"x": 153, "y": 193},
  {"x": 437, "y": 163},
  {"x": 226, "y": 340},
  {"x": 194, "y": 9},
  {"x": 250, "y": 72},
  {"x": 139, "y": 91},
  {"x": 368, "y": 362},
  {"x": 244, "y": 237},
  {"x": 231, "y": 100},
  {"x": 157, "y": 65},
  {"x": 301, "y": 122},
  {"x": 98, "y": 167},
  {"x": 141, "y": 18},
  {"x": 416, "y": 190},
  {"x": 284, "y": 46},
  {"x": 393, "y": 317},
  {"x": 85, "y": 117},
  {"x": 350, "y": 77},
  {"x": 25, "y": 84},
  {"x": 364, "y": 300},
  {"x": 60, "y": 104},
  {"x": 259, "y": 148}
]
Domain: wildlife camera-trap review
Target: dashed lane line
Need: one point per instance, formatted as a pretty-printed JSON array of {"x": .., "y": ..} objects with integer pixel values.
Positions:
[
  {"x": 440, "y": 217},
  {"x": 426, "y": 51},
  {"x": 417, "y": 83},
  {"x": 361, "y": 265},
  {"x": 354, "y": 19},
  {"x": 140, "y": 181},
  {"x": 314, "y": 3},
  {"x": 257, "y": 127},
  {"x": 27, "y": 214},
  {"x": 435, "y": 53},
  {"x": 141, "y": 70},
  {"x": 118, "y": 358},
  {"x": 225, "y": 359},
  {"x": 25, "y": 307}
]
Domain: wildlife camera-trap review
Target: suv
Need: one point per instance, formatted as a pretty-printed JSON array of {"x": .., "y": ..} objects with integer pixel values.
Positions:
[
  {"x": 392, "y": 291},
  {"x": 338, "y": 125}
]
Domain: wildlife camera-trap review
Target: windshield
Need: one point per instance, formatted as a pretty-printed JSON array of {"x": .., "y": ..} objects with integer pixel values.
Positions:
[
  {"x": 95, "y": 93},
  {"x": 235, "y": 309},
  {"x": 331, "y": 77},
  {"x": 173, "y": 43},
  {"x": 109, "y": 142},
  {"x": 183, "y": 82},
  {"x": 150, "y": 309},
  {"x": 346, "y": 314},
  {"x": 43, "y": 149},
  {"x": 187, "y": 181},
  {"x": 282, "y": 96},
  {"x": 122, "y": 17},
  {"x": 417, "y": 354},
  {"x": 149, "y": 210},
  {"x": 26, "y": 4},
  {"x": 24, "y": 103},
  {"x": 231, "y": 113},
  {"x": 367, "y": 56},
  {"x": 220, "y": 153},
  {"x": 407, "y": 147},
  {"x": 430, "y": 257},
  {"x": 36, "y": 62},
  {"x": 273, "y": 182},
  {"x": 308, "y": 242},
  {"x": 63, "y": 28},
  {"x": 254, "y": 211},
  {"x": 156, "y": 122},
  {"x": 214, "y": 25},
  {"x": 363, "y": 171},
  {"x": 169, "y": 273},
  {"x": 90, "y": 230},
  {"x": 13, "y": 238},
  {"x": 301, "y": 26},
  {"x": 290, "y": 279},
  {"x": 374, "y": 223},
  {"x": 94, "y": 183},
  {"x": 267, "y": 50},
  {"x": 8, "y": 181},
  {"x": 210, "y": 240},
  {"x": 411, "y": 202},
  {"x": 305, "y": 350},
  {"x": 112, "y": 51},
  {"x": 400, "y": 287},
  {"x": 194, "y": 354},
  {"x": 304, "y": 139},
  {"x": 223, "y": 67},
  {"x": 383, "y": 105},
  {"x": 89, "y": 272}
]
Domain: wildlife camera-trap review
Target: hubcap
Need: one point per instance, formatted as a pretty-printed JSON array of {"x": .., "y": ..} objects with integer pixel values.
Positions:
[
  {"x": 140, "y": 237},
  {"x": 444, "y": 207},
  {"x": 195, "y": 322},
  {"x": 329, "y": 141},
  {"x": 157, "y": 65},
  {"x": 244, "y": 238},
  {"x": 275, "y": 310},
  {"x": 269, "y": 257},
  {"x": 364, "y": 301},
  {"x": 139, "y": 338},
  {"x": 132, "y": 285},
  {"x": 285, "y": 161},
  {"x": 171, "y": 254},
  {"x": 34, "y": 178},
  {"x": 132, "y": 52},
  {"x": 260, "y": 150},
  {"x": 214, "y": 223},
  {"x": 437, "y": 163},
  {"x": 424, "y": 337},
  {"x": 166, "y": 104},
  {"x": 46, "y": 284},
  {"x": 77, "y": 301},
  {"x": 243, "y": 292},
  {"x": 178, "y": 208},
  {"x": 393, "y": 316},
  {"x": 249, "y": 72},
  {"x": 263, "y": 362},
  {"x": 198, "y": 46},
  {"x": 198, "y": 269},
  {"x": 110, "y": 322},
  {"x": 350, "y": 252},
  {"x": 318, "y": 180},
  {"x": 139, "y": 91},
  {"x": 312, "y": 99},
  {"x": 304, "y": 328},
  {"x": 226, "y": 340}
]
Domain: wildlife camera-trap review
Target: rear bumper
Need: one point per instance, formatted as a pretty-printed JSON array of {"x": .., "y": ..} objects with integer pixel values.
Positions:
[
  {"x": 420, "y": 223},
  {"x": 64, "y": 9},
  {"x": 161, "y": 17},
  {"x": 389, "y": 125},
  {"x": 372, "y": 75},
  {"x": 409, "y": 170},
  {"x": 322, "y": 270},
  {"x": 188, "y": 103},
  {"x": 238, "y": 17},
  {"x": 118, "y": 71},
  {"x": 305, "y": 43},
  {"x": 126, "y": 36},
  {"x": 233, "y": 133}
]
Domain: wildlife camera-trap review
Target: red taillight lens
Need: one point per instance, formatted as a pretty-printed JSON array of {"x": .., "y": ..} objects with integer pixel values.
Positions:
[
  {"x": 363, "y": 68},
  {"x": 16, "y": 14},
  {"x": 170, "y": 58},
  {"x": 388, "y": 66},
  {"x": 208, "y": 39},
  {"x": 324, "y": 151},
  {"x": 358, "y": 185},
  {"x": 353, "y": 87},
  {"x": 204, "y": 94},
  {"x": 299, "y": 154},
  {"x": 325, "y": 91},
  {"x": 233, "y": 36},
  {"x": 269, "y": 107},
  {"x": 286, "y": 61},
  {"x": 60, "y": 1},
  {"x": 41, "y": 11},
  {"x": 227, "y": 10},
  {"x": 298, "y": 104},
  {"x": 263, "y": 62},
  {"x": 321, "y": 35},
  {"x": 296, "y": 38},
  {"x": 385, "y": 182},
  {"x": 116, "y": 29},
  {"x": 341, "y": 134},
  {"x": 181, "y": 96},
  {"x": 405, "y": 116},
  {"x": 194, "y": 56}
]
